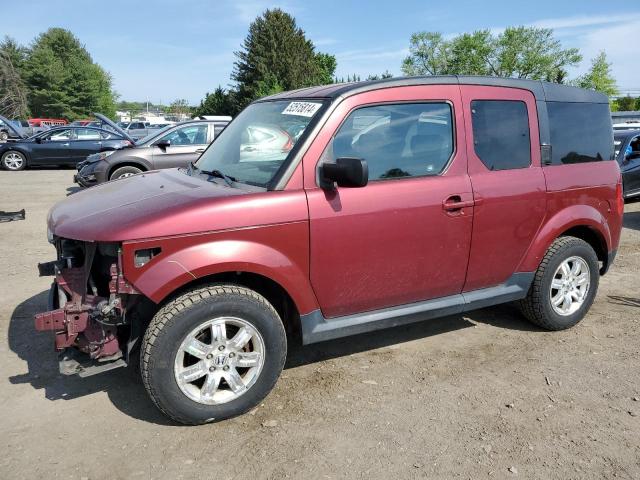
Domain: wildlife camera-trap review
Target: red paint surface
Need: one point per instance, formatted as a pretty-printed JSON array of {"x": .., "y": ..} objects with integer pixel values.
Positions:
[
  {"x": 510, "y": 204},
  {"x": 391, "y": 242}
]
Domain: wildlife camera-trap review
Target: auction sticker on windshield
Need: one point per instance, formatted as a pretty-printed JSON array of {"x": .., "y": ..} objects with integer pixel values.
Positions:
[{"x": 302, "y": 109}]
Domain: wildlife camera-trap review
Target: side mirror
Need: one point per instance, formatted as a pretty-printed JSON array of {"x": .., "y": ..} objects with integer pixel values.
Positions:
[
  {"x": 163, "y": 144},
  {"x": 346, "y": 172},
  {"x": 38, "y": 139}
]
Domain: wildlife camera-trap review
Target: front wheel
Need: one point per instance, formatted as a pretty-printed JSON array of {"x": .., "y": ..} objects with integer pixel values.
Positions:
[
  {"x": 124, "y": 172},
  {"x": 212, "y": 353},
  {"x": 564, "y": 286},
  {"x": 14, "y": 161},
  {"x": 4, "y": 136}
]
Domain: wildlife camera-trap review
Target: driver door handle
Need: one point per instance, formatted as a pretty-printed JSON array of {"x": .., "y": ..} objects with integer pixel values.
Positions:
[
  {"x": 200, "y": 150},
  {"x": 454, "y": 203},
  {"x": 65, "y": 144}
]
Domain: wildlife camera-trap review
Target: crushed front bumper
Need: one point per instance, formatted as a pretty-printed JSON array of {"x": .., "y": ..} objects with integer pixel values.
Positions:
[{"x": 85, "y": 318}]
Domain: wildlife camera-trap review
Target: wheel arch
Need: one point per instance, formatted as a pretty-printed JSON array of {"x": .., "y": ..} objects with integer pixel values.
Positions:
[
  {"x": 126, "y": 163},
  {"x": 274, "y": 293},
  {"x": 282, "y": 279},
  {"x": 580, "y": 221}
]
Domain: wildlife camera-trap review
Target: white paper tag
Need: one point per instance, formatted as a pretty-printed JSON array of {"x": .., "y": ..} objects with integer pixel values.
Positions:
[{"x": 302, "y": 109}]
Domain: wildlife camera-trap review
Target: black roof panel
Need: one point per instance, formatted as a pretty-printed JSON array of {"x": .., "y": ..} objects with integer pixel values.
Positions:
[{"x": 551, "y": 92}]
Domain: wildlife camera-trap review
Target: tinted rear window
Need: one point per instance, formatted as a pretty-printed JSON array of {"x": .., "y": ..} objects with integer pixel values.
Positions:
[
  {"x": 501, "y": 133},
  {"x": 580, "y": 132}
]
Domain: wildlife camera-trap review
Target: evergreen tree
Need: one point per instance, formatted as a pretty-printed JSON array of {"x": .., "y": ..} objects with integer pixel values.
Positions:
[
  {"x": 64, "y": 81},
  {"x": 275, "y": 56}
]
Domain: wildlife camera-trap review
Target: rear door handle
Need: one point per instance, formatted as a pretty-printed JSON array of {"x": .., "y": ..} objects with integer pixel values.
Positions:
[
  {"x": 200, "y": 150},
  {"x": 454, "y": 203}
]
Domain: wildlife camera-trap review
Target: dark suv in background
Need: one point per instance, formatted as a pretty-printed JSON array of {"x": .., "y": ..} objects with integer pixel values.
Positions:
[{"x": 173, "y": 146}]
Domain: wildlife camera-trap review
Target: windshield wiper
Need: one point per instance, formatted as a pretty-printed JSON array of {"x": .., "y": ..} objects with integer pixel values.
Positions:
[{"x": 214, "y": 173}]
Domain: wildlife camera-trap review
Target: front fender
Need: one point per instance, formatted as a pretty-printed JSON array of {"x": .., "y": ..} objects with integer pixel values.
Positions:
[
  {"x": 560, "y": 222},
  {"x": 283, "y": 259}
]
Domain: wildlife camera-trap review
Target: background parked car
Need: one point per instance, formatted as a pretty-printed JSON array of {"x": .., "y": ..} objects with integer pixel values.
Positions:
[
  {"x": 627, "y": 147},
  {"x": 59, "y": 146},
  {"x": 174, "y": 146},
  {"x": 138, "y": 130},
  {"x": 9, "y": 130}
]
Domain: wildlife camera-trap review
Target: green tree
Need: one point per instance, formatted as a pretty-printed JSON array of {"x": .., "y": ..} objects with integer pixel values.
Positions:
[
  {"x": 15, "y": 52},
  {"x": 382, "y": 76},
  {"x": 220, "y": 102},
  {"x": 327, "y": 65},
  {"x": 626, "y": 104},
  {"x": 521, "y": 52},
  {"x": 599, "y": 77},
  {"x": 275, "y": 56},
  {"x": 64, "y": 81},
  {"x": 179, "y": 106}
]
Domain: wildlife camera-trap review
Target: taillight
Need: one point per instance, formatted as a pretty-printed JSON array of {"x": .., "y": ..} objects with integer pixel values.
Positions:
[{"x": 619, "y": 199}]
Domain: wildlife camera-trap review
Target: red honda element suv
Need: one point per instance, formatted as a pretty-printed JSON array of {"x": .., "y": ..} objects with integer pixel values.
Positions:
[{"x": 332, "y": 211}]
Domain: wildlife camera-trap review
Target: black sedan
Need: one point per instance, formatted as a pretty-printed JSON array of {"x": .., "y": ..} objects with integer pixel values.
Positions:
[
  {"x": 627, "y": 146},
  {"x": 60, "y": 146}
]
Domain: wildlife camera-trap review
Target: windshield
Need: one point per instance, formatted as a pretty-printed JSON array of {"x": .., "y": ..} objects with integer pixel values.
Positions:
[{"x": 259, "y": 141}]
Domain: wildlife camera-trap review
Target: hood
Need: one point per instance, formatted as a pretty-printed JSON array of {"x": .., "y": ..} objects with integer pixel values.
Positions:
[
  {"x": 114, "y": 126},
  {"x": 11, "y": 127},
  {"x": 152, "y": 204}
]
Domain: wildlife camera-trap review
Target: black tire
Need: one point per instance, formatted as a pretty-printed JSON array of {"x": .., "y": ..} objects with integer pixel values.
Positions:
[
  {"x": 124, "y": 172},
  {"x": 537, "y": 305},
  {"x": 171, "y": 325},
  {"x": 6, "y": 163}
]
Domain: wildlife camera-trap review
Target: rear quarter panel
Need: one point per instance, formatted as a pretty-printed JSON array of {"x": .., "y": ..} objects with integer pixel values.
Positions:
[{"x": 582, "y": 194}]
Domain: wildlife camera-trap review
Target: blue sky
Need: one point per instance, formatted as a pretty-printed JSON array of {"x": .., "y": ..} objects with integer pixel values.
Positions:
[{"x": 168, "y": 49}]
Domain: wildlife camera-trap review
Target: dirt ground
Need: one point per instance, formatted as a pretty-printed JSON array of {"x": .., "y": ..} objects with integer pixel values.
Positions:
[{"x": 484, "y": 395}]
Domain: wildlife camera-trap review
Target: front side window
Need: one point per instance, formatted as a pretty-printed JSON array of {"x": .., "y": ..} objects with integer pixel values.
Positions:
[
  {"x": 501, "y": 137},
  {"x": 59, "y": 136},
  {"x": 396, "y": 140},
  {"x": 191, "y": 135},
  {"x": 580, "y": 132},
  {"x": 260, "y": 140}
]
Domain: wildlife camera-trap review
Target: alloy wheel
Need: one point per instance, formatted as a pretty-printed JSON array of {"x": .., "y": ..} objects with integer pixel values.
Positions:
[
  {"x": 13, "y": 161},
  {"x": 570, "y": 286},
  {"x": 219, "y": 360}
]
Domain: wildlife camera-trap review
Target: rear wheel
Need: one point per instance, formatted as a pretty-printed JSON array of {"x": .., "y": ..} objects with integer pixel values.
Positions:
[
  {"x": 212, "y": 353},
  {"x": 564, "y": 286},
  {"x": 14, "y": 160},
  {"x": 124, "y": 172}
]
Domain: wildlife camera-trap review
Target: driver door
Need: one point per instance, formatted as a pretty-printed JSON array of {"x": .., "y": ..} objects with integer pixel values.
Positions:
[
  {"x": 54, "y": 148},
  {"x": 404, "y": 237},
  {"x": 186, "y": 145}
]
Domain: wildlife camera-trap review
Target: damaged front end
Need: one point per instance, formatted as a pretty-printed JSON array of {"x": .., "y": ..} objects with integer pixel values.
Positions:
[{"x": 93, "y": 310}]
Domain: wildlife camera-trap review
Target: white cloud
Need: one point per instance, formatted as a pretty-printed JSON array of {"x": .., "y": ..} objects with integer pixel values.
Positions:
[
  {"x": 584, "y": 20},
  {"x": 620, "y": 45}
]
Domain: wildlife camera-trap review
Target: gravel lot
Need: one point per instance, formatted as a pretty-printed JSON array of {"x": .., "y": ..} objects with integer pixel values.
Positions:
[{"x": 484, "y": 395}]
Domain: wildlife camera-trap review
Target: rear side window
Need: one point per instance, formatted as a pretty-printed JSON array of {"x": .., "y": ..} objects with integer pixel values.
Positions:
[
  {"x": 580, "y": 132},
  {"x": 501, "y": 133},
  {"x": 401, "y": 140}
]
